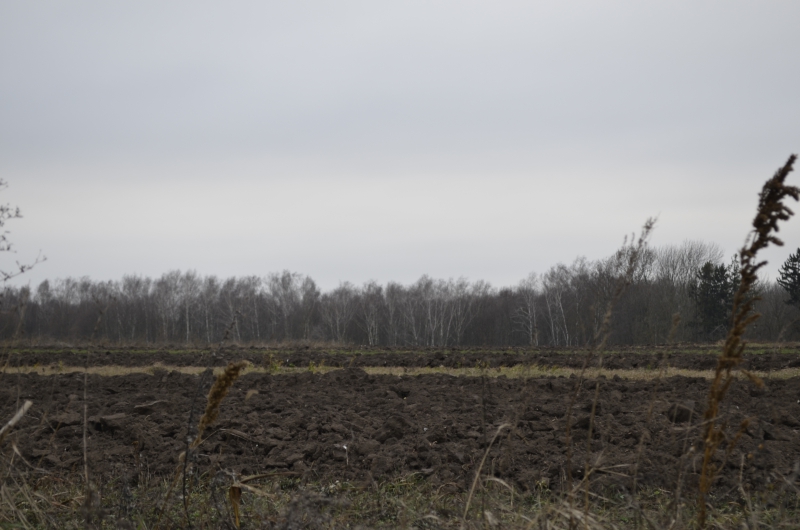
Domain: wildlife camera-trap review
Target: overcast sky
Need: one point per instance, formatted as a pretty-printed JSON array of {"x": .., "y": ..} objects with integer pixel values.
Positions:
[{"x": 386, "y": 140}]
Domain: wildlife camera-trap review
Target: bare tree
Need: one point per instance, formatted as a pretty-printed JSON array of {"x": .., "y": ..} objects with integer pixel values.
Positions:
[
  {"x": 371, "y": 304},
  {"x": 249, "y": 293},
  {"x": 338, "y": 308},
  {"x": 465, "y": 302},
  {"x": 555, "y": 284},
  {"x": 411, "y": 309},
  {"x": 286, "y": 296},
  {"x": 309, "y": 303},
  {"x": 189, "y": 286},
  {"x": 208, "y": 300},
  {"x": 229, "y": 297},
  {"x": 525, "y": 314},
  {"x": 7, "y": 213},
  {"x": 393, "y": 299},
  {"x": 167, "y": 299},
  {"x": 678, "y": 264}
]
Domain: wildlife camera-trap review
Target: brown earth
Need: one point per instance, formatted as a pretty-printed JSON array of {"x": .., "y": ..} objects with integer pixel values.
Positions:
[
  {"x": 348, "y": 425},
  {"x": 696, "y": 359}
]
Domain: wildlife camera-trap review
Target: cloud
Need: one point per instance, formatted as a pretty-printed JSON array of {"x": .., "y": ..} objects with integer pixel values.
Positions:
[{"x": 361, "y": 139}]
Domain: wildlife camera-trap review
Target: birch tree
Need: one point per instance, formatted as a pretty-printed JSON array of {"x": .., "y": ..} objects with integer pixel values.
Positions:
[
  {"x": 338, "y": 308},
  {"x": 525, "y": 314},
  {"x": 371, "y": 305}
]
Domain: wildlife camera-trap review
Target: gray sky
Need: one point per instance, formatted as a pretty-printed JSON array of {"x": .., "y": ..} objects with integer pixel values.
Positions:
[{"x": 386, "y": 140}]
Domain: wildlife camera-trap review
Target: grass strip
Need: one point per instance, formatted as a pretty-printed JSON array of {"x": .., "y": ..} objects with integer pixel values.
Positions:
[{"x": 515, "y": 372}]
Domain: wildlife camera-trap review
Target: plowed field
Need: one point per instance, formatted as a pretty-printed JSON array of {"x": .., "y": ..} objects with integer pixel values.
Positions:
[
  {"x": 348, "y": 425},
  {"x": 690, "y": 358}
]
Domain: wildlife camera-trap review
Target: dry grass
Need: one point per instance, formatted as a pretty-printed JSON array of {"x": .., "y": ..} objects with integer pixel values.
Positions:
[
  {"x": 402, "y": 501},
  {"x": 512, "y": 372}
]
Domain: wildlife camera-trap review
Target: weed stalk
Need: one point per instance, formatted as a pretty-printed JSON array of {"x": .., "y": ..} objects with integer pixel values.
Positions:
[{"x": 771, "y": 210}]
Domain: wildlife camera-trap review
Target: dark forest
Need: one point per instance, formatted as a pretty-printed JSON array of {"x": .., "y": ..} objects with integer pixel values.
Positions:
[{"x": 562, "y": 307}]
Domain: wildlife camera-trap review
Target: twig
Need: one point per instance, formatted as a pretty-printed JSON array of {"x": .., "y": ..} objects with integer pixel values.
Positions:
[
  {"x": 13, "y": 421},
  {"x": 480, "y": 467}
]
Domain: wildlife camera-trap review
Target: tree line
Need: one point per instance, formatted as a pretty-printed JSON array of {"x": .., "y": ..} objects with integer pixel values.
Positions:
[{"x": 562, "y": 307}]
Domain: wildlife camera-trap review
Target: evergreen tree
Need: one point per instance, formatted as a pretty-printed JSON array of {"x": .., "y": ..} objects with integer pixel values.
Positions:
[
  {"x": 789, "y": 278},
  {"x": 713, "y": 292}
]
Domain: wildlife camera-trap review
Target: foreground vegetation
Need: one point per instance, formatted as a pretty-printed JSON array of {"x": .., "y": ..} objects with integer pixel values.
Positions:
[{"x": 401, "y": 502}]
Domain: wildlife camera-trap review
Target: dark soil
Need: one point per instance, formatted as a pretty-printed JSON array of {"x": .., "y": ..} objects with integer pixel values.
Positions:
[
  {"x": 348, "y": 425},
  {"x": 696, "y": 359}
]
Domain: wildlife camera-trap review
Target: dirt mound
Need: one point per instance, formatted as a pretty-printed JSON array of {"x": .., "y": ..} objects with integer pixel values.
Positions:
[{"x": 348, "y": 425}]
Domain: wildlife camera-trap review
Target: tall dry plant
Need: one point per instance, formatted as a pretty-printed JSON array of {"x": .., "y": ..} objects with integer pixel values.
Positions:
[
  {"x": 91, "y": 497},
  {"x": 219, "y": 390},
  {"x": 630, "y": 255},
  {"x": 217, "y": 393},
  {"x": 771, "y": 210}
]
